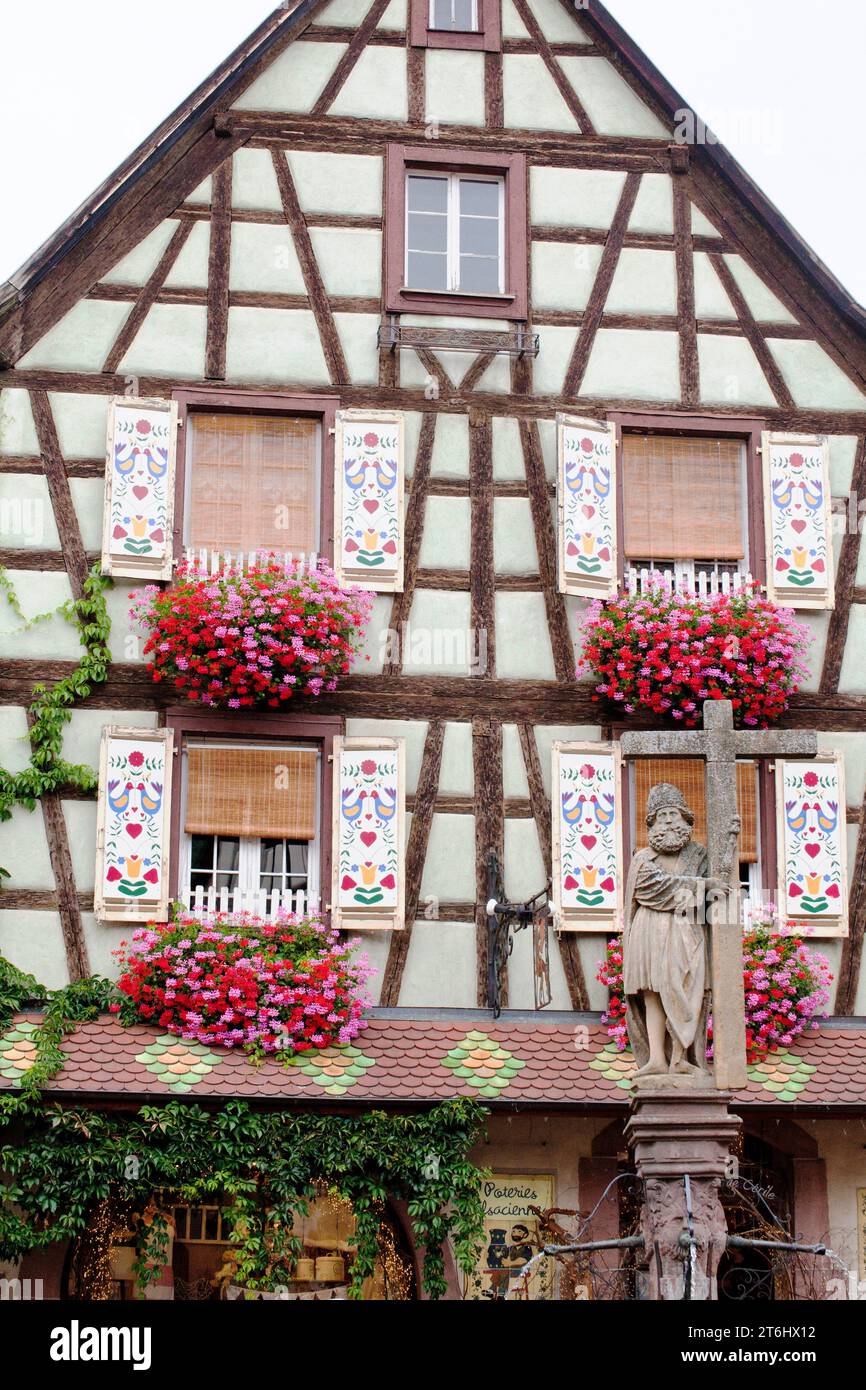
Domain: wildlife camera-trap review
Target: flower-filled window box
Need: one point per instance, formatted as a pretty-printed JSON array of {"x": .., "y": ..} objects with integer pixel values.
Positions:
[{"x": 236, "y": 639}]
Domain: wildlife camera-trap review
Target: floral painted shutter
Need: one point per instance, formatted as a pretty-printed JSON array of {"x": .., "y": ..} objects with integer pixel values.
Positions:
[
  {"x": 587, "y": 837},
  {"x": 132, "y": 834},
  {"x": 369, "y": 800},
  {"x": 586, "y": 495},
  {"x": 812, "y": 829},
  {"x": 797, "y": 510},
  {"x": 140, "y": 463},
  {"x": 369, "y": 498}
]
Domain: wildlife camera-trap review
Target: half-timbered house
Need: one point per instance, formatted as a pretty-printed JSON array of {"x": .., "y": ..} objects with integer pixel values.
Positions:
[{"x": 453, "y": 296}]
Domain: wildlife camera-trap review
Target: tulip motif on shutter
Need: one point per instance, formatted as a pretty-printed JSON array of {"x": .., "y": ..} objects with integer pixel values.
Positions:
[
  {"x": 812, "y": 860},
  {"x": 798, "y": 518},
  {"x": 139, "y": 488},
  {"x": 587, "y": 507},
  {"x": 368, "y": 833},
  {"x": 587, "y": 837},
  {"x": 369, "y": 498},
  {"x": 132, "y": 825}
]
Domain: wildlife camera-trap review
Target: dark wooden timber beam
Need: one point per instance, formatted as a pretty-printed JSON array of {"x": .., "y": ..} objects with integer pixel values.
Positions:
[
  {"x": 423, "y": 809},
  {"x": 690, "y": 387},
  {"x": 357, "y": 44},
  {"x": 489, "y": 835},
  {"x": 846, "y": 577},
  {"x": 601, "y": 289},
  {"x": 852, "y": 947},
  {"x": 413, "y": 531},
  {"x": 561, "y": 642},
  {"x": 65, "y": 515},
  {"x": 752, "y": 333},
  {"x": 482, "y": 575},
  {"x": 218, "y": 272},
  {"x": 147, "y": 298}
]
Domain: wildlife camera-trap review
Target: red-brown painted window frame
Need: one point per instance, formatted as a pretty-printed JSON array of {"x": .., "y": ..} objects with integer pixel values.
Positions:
[
  {"x": 746, "y": 428},
  {"x": 514, "y": 303},
  {"x": 315, "y": 729},
  {"x": 488, "y": 36},
  {"x": 767, "y": 836},
  {"x": 324, "y": 408}
]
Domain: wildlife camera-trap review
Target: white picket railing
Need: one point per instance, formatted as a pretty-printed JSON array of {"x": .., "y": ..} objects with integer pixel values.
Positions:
[
  {"x": 260, "y": 902},
  {"x": 215, "y": 561},
  {"x": 686, "y": 578}
]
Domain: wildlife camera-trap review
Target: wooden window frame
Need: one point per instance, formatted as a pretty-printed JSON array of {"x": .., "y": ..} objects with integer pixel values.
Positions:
[
  {"x": 745, "y": 428},
  {"x": 767, "y": 822},
  {"x": 318, "y": 729},
  {"x": 513, "y": 304},
  {"x": 320, "y": 407},
  {"x": 487, "y": 37}
]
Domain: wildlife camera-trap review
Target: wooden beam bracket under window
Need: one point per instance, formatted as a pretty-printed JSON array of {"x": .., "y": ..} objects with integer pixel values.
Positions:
[{"x": 517, "y": 343}]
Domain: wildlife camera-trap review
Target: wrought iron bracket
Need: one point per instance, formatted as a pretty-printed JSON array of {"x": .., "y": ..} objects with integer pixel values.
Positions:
[{"x": 503, "y": 920}]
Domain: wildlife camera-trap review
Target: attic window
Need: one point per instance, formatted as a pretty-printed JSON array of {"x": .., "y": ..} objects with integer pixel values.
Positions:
[{"x": 472, "y": 24}]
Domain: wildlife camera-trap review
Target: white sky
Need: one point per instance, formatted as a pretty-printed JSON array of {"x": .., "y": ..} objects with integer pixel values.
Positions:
[{"x": 780, "y": 81}]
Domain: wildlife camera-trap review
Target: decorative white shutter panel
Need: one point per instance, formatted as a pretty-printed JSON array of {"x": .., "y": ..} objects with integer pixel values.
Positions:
[
  {"x": 368, "y": 852},
  {"x": 140, "y": 463},
  {"x": 797, "y": 511},
  {"x": 133, "y": 821},
  {"x": 812, "y": 829},
  {"x": 586, "y": 495},
  {"x": 369, "y": 498},
  {"x": 587, "y": 837}
]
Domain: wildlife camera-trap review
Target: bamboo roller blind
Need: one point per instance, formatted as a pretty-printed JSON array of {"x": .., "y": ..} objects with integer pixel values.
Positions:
[
  {"x": 253, "y": 482},
  {"x": 266, "y": 792},
  {"x": 682, "y": 497},
  {"x": 688, "y": 775}
]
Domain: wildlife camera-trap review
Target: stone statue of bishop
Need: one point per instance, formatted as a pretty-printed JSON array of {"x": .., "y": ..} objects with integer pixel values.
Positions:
[{"x": 666, "y": 975}]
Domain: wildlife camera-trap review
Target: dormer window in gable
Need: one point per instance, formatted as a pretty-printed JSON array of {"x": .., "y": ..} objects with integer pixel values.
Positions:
[{"x": 468, "y": 24}]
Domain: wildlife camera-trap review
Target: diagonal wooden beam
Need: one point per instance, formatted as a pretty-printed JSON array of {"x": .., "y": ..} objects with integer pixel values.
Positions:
[
  {"x": 413, "y": 532},
  {"x": 356, "y": 46},
  {"x": 546, "y": 545},
  {"x": 489, "y": 835},
  {"x": 477, "y": 370},
  {"x": 431, "y": 364},
  {"x": 568, "y": 942},
  {"x": 566, "y": 91},
  {"x": 218, "y": 272},
  {"x": 416, "y": 854},
  {"x": 752, "y": 332},
  {"x": 65, "y": 515},
  {"x": 601, "y": 289},
  {"x": 147, "y": 297},
  {"x": 852, "y": 947},
  {"x": 68, "y": 904},
  {"x": 687, "y": 321},
  {"x": 846, "y": 579},
  {"x": 482, "y": 573},
  {"x": 319, "y": 302}
]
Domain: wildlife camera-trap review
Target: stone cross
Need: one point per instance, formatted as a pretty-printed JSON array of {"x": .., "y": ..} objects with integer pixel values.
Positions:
[{"x": 720, "y": 745}]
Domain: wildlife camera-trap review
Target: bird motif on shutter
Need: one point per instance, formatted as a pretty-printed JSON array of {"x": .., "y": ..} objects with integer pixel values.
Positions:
[
  {"x": 132, "y": 837},
  {"x": 587, "y": 837},
  {"x": 368, "y": 852},
  {"x": 369, "y": 487},
  {"x": 140, "y": 464},
  {"x": 798, "y": 520},
  {"x": 586, "y": 490},
  {"x": 813, "y": 878}
]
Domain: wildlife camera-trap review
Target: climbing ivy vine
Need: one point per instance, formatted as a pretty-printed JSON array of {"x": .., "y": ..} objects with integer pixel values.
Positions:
[{"x": 51, "y": 708}]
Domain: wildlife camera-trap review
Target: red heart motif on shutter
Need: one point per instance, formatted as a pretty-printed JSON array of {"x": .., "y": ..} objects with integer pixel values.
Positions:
[
  {"x": 812, "y": 850},
  {"x": 140, "y": 493},
  {"x": 371, "y": 506},
  {"x": 588, "y": 511},
  {"x": 368, "y": 837},
  {"x": 588, "y": 841},
  {"x": 798, "y": 526},
  {"x": 133, "y": 831}
]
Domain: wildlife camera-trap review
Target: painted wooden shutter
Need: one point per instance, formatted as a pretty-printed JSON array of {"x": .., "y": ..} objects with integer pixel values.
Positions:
[
  {"x": 797, "y": 512},
  {"x": 132, "y": 834},
  {"x": 586, "y": 492},
  {"x": 587, "y": 837},
  {"x": 369, "y": 498},
  {"x": 812, "y": 830},
  {"x": 368, "y": 853},
  {"x": 140, "y": 463}
]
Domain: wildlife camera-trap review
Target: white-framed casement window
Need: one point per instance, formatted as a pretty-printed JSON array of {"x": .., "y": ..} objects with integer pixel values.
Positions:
[
  {"x": 459, "y": 16},
  {"x": 455, "y": 232},
  {"x": 251, "y": 826}
]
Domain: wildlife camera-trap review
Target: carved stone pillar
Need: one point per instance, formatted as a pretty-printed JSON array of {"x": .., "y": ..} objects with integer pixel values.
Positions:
[{"x": 674, "y": 1133}]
